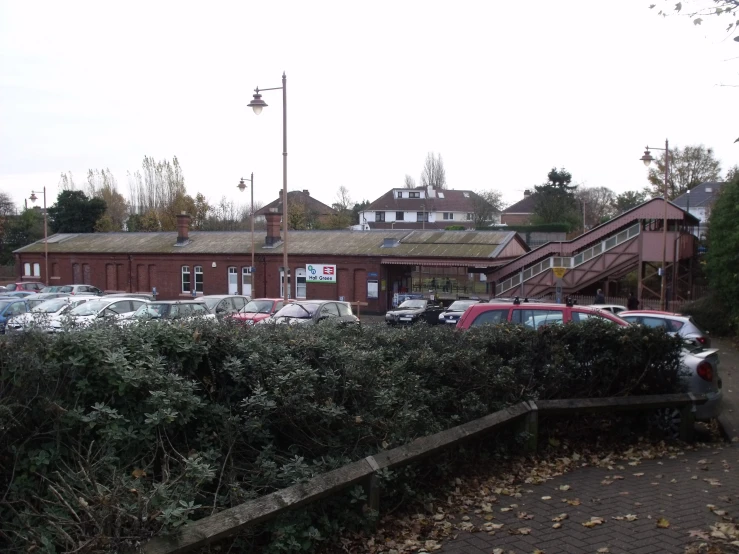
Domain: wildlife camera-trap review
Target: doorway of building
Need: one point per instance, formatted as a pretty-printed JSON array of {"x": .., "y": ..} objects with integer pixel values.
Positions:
[
  {"x": 233, "y": 281},
  {"x": 246, "y": 281}
]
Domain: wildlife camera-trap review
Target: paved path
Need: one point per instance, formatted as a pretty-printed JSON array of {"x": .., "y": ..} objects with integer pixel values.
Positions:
[{"x": 677, "y": 488}]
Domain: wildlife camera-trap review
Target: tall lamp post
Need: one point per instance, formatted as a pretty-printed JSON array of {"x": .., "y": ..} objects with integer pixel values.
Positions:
[
  {"x": 33, "y": 199},
  {"x": 257, "y": 104},
  {"x": 647, "y": 159},
  {"x": 241, "y": 186}
]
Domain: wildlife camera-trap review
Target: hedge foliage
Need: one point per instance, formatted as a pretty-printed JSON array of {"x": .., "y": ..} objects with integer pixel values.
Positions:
[{"x": 109, "y": 436}]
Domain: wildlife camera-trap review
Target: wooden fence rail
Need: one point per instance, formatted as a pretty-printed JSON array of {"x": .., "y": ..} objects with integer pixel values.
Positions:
[{"x": 230, "y": 521}]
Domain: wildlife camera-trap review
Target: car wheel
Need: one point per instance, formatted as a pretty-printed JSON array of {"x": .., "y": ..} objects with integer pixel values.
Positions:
[{"x": 666, "y": 421}]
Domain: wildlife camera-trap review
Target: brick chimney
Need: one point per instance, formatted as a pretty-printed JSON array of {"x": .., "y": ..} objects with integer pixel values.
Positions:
[
  {"x": 305, "y": 191},
  {"x": 526, "y": 193},
  {"x": 183, "y": 228},
  {"x": 273, "y": 227}
]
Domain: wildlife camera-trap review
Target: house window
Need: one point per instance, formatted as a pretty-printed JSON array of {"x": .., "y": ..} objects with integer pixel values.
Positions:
[
  {"x": 27, "y": 269},
  {"x": 300, "y": 282},
  {"x": 470, "y": 217},
  {"x": 198, "y": 278},
  {"x": 282, "y": 289},
  {"x": 414, "y": 195},
  {"x": 37, "y": 270},
  {"x": 400, "y": 194},
  {"x": 448, "y": 215},
  {"x": 379, "y": 216},
  {"x": 185, "y": 278},
  {"x": 399, "y": 216},
  {"x": 422, "y": 216}
]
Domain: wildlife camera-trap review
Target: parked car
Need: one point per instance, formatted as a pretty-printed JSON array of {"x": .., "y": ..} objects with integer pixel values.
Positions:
[
  {"x": 33, "y": 286},
  {"x": 19, "y": 293},
  {"x": 140, "y": 295},
  {"x": 224, "y": 304},
  {"x": 679, "y": 324},
  {"x": 530, "y": 315},
  {"x": 51, "y": 288},
  {"x": 80, "y": 289},
  {"x": 314, "y": 311},
  {"x": 524, "y": 300},
  {"x": 3, "y": 289},
  {"x": 10, "y": 307},
  {"x": 451, "y": 315},
  {"x": 257, "y": 310},
  {"x": 96, "y": 308},
  {"x": 613, "y": 308},
  {"x": 41, "y": 297},
  {"x": 40, "y": 316},
  {"x": 700, "y": 367},
  {"x": 169, "y": 310},
  {"x": 413, "y": 311}
]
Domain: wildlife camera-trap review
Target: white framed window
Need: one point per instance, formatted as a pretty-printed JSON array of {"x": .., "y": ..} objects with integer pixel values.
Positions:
[
  {"x": 27, "y": 269},
  {"x": 300, "y": 286},
  {"x": 282, "y": 288},
  {"x": 400, "y": 194},
  {"x": 198, "y": 278},
  {"x": 37, "y": 270},
  {"x": 448, "y": 215},
  {"x": 185, "y": 278},
  {"x": 422, "y": 216},
  {"x": 379, "y": 216},
  {"x": 399, "y": 216},
  {"x": 414, "y": 195},
  {"x": 470, "y": 217}
]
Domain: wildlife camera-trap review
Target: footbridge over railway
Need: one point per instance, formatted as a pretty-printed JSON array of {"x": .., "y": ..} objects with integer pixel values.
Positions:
[{"x": 633, "y": 240}]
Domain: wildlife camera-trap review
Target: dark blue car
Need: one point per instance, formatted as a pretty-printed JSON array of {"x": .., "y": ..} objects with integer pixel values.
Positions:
[{"x": 9, "y": 307}]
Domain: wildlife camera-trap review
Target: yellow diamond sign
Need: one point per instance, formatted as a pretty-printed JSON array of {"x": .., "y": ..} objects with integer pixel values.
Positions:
[{"x": 559, "y": 272}]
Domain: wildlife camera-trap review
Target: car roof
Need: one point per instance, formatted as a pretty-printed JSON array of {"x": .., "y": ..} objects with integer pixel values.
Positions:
[
  {"x": 175, "y": 302},
  {"x": 653, "y": 313},
  {"x": 270, "y": 299},
  {"x": 224, "y": 296}
]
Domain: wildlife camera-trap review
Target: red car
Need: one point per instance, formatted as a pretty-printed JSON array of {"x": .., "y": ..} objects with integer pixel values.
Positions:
[
  {"x": 32, "y": 286},
  {"x": 258, "y": 309},
  {"x": 531, "y": 314}
]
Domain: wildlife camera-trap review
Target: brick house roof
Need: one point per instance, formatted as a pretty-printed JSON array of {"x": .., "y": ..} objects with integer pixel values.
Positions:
[
  {"x": 703, "y": 195},
  {"x": 525, "y": 206},
  {"x": 453, "y": 201},
  {"x": 301, "y": 197}
]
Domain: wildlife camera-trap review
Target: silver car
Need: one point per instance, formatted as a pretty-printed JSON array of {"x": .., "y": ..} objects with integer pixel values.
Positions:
[
  {"x": 41, "y": 316},
  {"x": 678, "y": 324}
]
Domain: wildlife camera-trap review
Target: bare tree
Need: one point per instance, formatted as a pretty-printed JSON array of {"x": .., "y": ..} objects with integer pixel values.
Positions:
[
  {"x": 410, "y": 182},
  {"x": 598, "y": 204},
  {"x": 158, "y": 190},
  {"x": 485, "y": 204},
  {"x": 103, "y": 185},
  {"x": 689, "y": 166},
  {"x": 433, "y": 174}
]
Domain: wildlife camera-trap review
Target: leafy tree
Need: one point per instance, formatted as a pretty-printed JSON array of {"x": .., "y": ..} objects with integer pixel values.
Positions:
[
  {"x": 485, "y": 204},
  {"x": 628, "y": 200},
  {"x": 300, "y": 217},
  {"x": 433, "y": 174},
  {"x": 689, "y": 167},
  {"x": 21, "y": 230},
  {"x": 556, "y": 201},
  {"x": 74, "y": 212},
  {"x": 731, "y": 173},
  {"x": 409, "y": 182},
  {"x": 358, "y": 208},
  {"x": 598, "y": 204},
  {"x": 722, "y": 261},
  {"x": 102, "y": 184},
  {"x": 343, "y": 206}
]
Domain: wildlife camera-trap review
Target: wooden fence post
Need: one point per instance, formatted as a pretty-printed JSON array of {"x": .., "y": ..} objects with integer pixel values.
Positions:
[
  {"x": 531, "y": 428},
  {"x": 372, "y": 486}
]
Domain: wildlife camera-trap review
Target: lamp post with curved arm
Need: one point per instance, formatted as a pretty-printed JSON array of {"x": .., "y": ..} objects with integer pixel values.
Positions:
[
  {"x": 33, "y": 198},
  {"x": 241, "y": 186},
  {"x": 257, "y": 104},
  {"x": 647, "y": 159}
]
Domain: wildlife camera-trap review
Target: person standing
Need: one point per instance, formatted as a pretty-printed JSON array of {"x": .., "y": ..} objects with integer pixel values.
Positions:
[
  {"x": 632, "y": 303},
  {"x": 599, "y": 298}
]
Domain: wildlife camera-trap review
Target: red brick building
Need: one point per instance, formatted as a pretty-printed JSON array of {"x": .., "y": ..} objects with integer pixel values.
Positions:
[
  {"x": 520, "y": 213},
  {"x": 370, "y": 265}
]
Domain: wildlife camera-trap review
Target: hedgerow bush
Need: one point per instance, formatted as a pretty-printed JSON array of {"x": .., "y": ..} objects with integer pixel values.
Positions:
[{"x": 109, "y": 436}]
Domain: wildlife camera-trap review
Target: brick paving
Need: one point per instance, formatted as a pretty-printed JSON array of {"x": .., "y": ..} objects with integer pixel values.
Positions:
[{"x": 677, "y": 488}]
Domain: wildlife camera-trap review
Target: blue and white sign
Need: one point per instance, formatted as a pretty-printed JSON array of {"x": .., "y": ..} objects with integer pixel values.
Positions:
[{"x": 320, "y": 273}]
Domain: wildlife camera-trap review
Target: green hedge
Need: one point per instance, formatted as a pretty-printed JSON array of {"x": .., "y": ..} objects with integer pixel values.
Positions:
[{"x": 108, "y": 436}]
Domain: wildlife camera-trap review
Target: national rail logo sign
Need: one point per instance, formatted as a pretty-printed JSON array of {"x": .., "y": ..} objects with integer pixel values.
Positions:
[{"x": 320, "y": 273}]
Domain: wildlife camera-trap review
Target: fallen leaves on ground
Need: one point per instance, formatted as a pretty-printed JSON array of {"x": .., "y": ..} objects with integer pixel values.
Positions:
[
  {"x": 663, "y": 523},
  {"x": 593, "y": 522}
]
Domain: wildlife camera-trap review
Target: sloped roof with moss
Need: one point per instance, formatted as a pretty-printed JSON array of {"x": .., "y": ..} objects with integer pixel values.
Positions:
[{"x": 429, "y": 243}]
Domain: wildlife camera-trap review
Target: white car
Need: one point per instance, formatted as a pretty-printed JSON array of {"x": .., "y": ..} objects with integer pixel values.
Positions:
[
  {"x": 95, "y": 309},
  {"x": 43, "y": 314},
  {"x": 613, "y": 308},
  {"x": 168, "y": 310}
]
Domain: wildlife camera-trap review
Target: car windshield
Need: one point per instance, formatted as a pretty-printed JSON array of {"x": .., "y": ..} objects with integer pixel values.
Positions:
[
  {"x": 301, "y": 311},
  {"x": 152, "y": 311},
  {"x": 90, "y": 308},
  {"x": 413, "y": 304},
  {"x": 66, "y": 289},
  {"x": 257, "y": 307},
  {"x": 461, "y": 305},
  {"x": 51, "y": 306},
  {"x": 4, "y": 304},
  {"x": 212, "y": 302}
]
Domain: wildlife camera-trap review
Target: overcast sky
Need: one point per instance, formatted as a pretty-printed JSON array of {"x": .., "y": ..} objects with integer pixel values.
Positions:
[{"x": 502, "y": 90}]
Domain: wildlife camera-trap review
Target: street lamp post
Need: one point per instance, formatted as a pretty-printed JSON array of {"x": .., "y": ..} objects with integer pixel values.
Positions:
[
  {"x": 257, "y": 104},
  {"x": 241, "y": 186},
  {"x": 647, "y": 159},
  {"x": 33, "y": 198}
]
